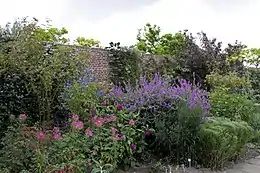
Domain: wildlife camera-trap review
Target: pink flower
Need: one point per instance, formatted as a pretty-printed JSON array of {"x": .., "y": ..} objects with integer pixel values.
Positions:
[
  {"x": 22, "y": 116},
  {"x": 113, "y": 129},
  {"x": 131, "y": 122},
  {"x": 41, "y": 136},
  {"x": 119, "y": 107},
  {"x": 89, "y": 132},
  {"x": 98, "y": 122},
  {"x": 56, "y": 129},
  {"x": 77, "y": 125},
  {"x": 57, "y": 136},
  {"x": 115, "y": 138},
  {"x": 112, "y": 118},
  {"x": 75, "y": 117}
]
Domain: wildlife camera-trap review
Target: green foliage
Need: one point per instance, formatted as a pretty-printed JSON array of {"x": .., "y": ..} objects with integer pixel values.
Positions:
[
  {"x": 52, "y": 35},
  {"x": 150, "y": 40},
  {"x": 43, "y": 68},
  {"x": 69, "y": 151},
  {"x": 222, "y": 140},
  {"x": 124, "y": 64},
  {"x": 15, "y": 155},
  {"x": 106, "y": 141},
  {"x": 255, "y": 124},
  {"x": 192, "y": 61},
  {"x": 80, "y": 98},
  {"x": 229, "y": 96},
  {"x": 254, "y": 76},
  {"x": 231, "y": 105},
  {"x": 177, "y": 130},
  {"x": 229, "y": 82},
  {"x": 250, "y": 56},
  {"x": 88, "y": 42}
]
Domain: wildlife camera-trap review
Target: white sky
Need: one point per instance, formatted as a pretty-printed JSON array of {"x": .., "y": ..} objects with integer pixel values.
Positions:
[{"x": 237, "y": 19}]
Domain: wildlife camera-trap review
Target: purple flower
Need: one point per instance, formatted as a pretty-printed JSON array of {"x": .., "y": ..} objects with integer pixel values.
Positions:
[
  {"x": 132, "y": 146},
  {"x": 100, "y": 92},
  {"x": 148, "y": 133},
  {"x": 159, "y": 92},
  {"x": 119, "y": 107},
  {"x": 120, "y": 135},
  {"x": 93, "y": 112}
]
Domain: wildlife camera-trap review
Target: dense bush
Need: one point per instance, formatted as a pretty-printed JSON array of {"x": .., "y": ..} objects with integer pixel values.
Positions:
[
  {"x": 192, "y": 61},
  {"x": 222, "y": 140},
  {"x": 233, "y": 106},
  {"x": 229, "y": 96},
  {"x": 16, "y": 155},
  {"x": 112, "y": 126},
  {"x": 255, "y": 124},
  {"x": 102, "y": 142},
  {"x": 175, "y": 111},
  {"x": 40, "y": 69},
  {"x": 124, "y": 64},
  {"x": 254, "y": 76},
  {"x": 108, "y": 122},
  {"x": 230, "y": 82},
  {"x": 80, "y": 96}
]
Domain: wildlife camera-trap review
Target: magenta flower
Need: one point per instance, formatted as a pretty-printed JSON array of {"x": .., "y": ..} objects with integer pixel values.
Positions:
[
  {"x": 77, "y": 125},
  {"x": 89, "y": 132},
  {"x": 98, "y": 122},
  {"x": 113, "y": 129},
  {"x": 56, "y": 133},
  {"x": 22, "y": 116},
  {"x": 132, "y": 122},
  {"x": 75, "y": 117},
  {"x": 121, "y": 135},
  {"x": 119, "y": 107},
  {"x": 57, "y": 136},
  {"x": 132, "y": 146},
  {"x": 41, "y": 136},
  {"x": 148, "y": 133}
]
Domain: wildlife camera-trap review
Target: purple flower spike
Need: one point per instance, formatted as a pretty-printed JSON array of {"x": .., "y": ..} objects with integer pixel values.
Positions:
[{"x": 132, "y": 146}]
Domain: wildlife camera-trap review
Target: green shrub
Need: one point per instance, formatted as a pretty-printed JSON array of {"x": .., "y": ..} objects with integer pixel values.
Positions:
[
  {"x": 221, "y": 140},
  {"x": 79, "y": 98},
  {"x": 255, "y": 124},
  {"x": 229, "y": 82},
  {"x": 176, "y": 132},
  {"x": 231, "y": 105},
  {"x": 254, "y": 76},
  {"x": 123, "y": 63},
  {"x": 39, "y": 68},
  {"x": 108, "y": 141},
  {"x": 15, "y": 155}
]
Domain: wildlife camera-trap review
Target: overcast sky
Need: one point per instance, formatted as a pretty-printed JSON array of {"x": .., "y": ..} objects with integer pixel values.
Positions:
[{"x": 119, "y": 20}]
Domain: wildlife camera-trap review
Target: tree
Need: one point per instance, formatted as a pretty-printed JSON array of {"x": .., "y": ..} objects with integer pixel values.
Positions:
[
  {"x": 192, "y": 61},
  {"x": 52, "y": 34},
  {"x": 150, "y": 40},
  {"x": 250, "y": 56},
  {"x": 88, "y": 42}
]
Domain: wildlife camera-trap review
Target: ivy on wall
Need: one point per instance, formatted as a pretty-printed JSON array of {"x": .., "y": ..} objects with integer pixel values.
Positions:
[{"x": 123, "y": 63}]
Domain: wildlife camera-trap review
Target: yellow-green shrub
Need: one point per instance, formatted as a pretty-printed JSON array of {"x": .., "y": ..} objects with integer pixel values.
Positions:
[
  {"x": 221, "y": 140},
  {"x": 231, "y": 105}
]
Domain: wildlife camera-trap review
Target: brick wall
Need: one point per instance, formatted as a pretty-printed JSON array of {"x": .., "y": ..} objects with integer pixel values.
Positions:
[{"x": 100, "y": 66}]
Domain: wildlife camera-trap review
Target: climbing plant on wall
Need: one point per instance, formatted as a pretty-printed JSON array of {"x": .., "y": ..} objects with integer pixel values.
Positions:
[{"x": 123, "y": 63}]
